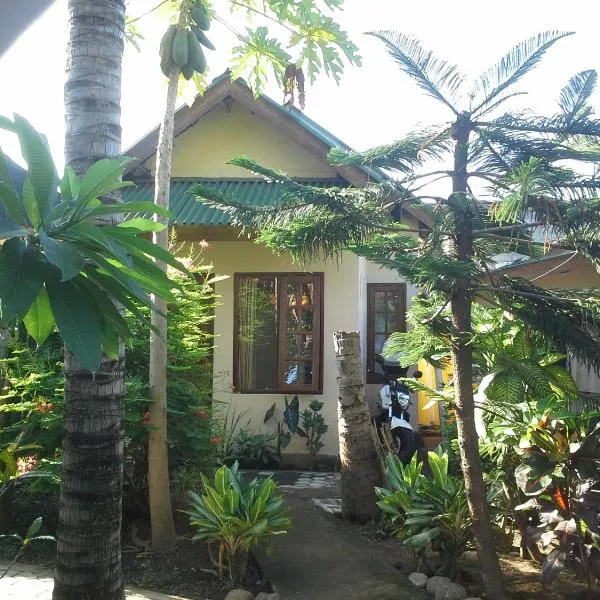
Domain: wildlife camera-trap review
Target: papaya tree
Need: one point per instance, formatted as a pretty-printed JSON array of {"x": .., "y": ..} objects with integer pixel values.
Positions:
[
  {"x": 515, "y": 184},
  {"x": 276, "y": 29}
]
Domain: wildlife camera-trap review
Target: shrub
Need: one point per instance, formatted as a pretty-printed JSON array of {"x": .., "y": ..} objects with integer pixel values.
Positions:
[
  {"x": 237, "y": 515},
  {"x": 429, "y": 513}
]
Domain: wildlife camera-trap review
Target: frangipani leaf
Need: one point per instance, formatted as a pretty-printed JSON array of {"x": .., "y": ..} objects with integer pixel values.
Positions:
[{"x": 39, "y": 319}]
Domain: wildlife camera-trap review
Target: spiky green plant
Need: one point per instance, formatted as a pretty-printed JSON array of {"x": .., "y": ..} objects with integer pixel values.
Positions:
[{"x": 237, "y": 514}]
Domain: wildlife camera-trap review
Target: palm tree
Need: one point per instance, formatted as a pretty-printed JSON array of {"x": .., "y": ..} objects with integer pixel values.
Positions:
[
  {"x": 360, "y": 466},
  {"x": 512, "y": 176},
  {"x": 89, "y": 531}
]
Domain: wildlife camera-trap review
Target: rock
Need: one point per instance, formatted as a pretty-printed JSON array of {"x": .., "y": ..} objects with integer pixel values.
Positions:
[
  {"x": 239, "y": 594},
  {"x": 387, "y": 591},
  {"x": 265, "y": 596},
  {"x": 418, "y": 579},
  {"x": 452, "y": 591},
  {"x": 433, "y": 583}
]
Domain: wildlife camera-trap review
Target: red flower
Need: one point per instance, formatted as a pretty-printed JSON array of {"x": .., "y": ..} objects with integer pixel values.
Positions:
[
  {"x": 202, "y": 414},
  {"x": 146, "y": 418},
  {"x": 216, "y": 440}
]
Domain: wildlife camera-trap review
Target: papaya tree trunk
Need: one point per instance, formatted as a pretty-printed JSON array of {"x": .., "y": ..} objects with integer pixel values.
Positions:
[
  {"x": 462, "y": 363},
  {"x": 360, "y": 467},
  {"x": 89, "y": 529},
  {"x": 161, "y": 513}
]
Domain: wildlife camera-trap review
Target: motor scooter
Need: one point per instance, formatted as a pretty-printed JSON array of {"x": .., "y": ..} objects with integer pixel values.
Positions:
[{"x": 393, "y": 405}]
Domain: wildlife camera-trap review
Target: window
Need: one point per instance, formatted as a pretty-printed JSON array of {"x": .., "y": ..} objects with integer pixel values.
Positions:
[
  {"x": 386, "y": 313},
  {"x": 278, "y": 335}
]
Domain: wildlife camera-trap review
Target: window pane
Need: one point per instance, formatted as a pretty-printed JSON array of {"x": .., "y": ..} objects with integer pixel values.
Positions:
[
  {"x": 379, "y": 340},
  {"x": 298, "y": 373},
  {"x": 380, "y": 323},
  {"x": 257, "y": 333},
  {"x": 380, "y": 298},
  {"x": 299, "y": 346}
]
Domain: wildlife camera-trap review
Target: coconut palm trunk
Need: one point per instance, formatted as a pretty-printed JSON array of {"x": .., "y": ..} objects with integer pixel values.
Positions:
[
  {"x": 360, "y": 468},
  {"x": 89, "y": 529}
]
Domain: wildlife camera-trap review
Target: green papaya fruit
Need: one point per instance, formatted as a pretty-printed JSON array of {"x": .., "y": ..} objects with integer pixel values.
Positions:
[
  {"x": 187, "y": 70},
  {"x": 180, "y": 48},
  {"x": 166, "y": 50},
  {"x": 197, "y": 58},
  {"x": 200, "y": 16},
  {"x": 201, "y": 37}
]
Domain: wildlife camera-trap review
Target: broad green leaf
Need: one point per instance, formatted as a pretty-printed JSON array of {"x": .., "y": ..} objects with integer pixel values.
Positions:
[
  {"x": 106, "y": 306},
  {"x": 120, "y": 292},
  {"x": 145, "y": 246},
  {"x": 80, "y": 231},
  {"x": 33, "y": 528},
  {"x": 21, "y": 274},
  {"x": 30, "y": 204},
  {"x": 141, "y": 224},
  {"x": 103, "y": 177},
  {"x": 42, "y": 171},
  {"x": 110, "y": 341},
  {"x": 39, "y": 319},
  {"x": 6, "y": 123},
  {"x": 128, "y": 207},
  {"x": 63, "y": 255},
  {"x": 8, "y": 195},
  {"x": 10, "y": 229},
  {"x": 78, "y": 322}
]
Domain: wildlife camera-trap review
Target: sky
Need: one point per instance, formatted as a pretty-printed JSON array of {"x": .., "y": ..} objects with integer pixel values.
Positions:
[{"x": 372, "y": 105}]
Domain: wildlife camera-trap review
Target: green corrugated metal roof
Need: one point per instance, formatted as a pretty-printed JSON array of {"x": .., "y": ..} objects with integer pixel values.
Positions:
[{"x": 189, "y": 211}]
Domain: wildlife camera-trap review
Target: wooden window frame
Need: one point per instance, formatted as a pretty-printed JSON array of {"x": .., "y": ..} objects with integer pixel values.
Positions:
[
  {"x": 372, "y": 288},
  {"x": 281, "y": 281}
]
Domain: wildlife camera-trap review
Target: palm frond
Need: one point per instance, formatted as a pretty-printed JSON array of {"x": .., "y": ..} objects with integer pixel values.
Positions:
[
  {"x": 404, "y": 155},
  {"x": 574, "y": 96},
  {"x": 439, "y": 79},
  {"x": 521, "y": 59}
]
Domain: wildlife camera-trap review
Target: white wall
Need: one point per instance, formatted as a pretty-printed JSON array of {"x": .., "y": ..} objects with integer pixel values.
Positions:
[{"x": 341, "y": 312}]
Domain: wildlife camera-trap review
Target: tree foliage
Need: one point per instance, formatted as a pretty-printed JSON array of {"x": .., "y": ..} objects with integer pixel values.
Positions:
[
  {"x": 517, "y": 185},
  {"x": 57, "y": 267}
]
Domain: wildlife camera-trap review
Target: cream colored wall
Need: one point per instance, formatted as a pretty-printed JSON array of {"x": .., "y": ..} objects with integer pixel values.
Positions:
[
  {"x": 340, "y": 313},
  {"x": 204, "y": 149}
]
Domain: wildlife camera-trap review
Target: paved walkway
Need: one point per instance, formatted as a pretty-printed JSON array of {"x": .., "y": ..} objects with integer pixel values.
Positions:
[{"x": 32, "y": 582}]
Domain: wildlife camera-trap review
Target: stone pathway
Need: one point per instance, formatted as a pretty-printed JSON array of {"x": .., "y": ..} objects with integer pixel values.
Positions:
[
  {"x": 303, "y": 479},
  {"x": 32, "y": 582}
]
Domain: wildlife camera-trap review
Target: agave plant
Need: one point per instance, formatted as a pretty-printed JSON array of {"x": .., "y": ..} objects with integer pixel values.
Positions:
[{"x": 237, "y": 515}]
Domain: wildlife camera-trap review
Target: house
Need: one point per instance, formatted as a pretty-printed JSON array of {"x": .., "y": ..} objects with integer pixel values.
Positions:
[
  {"x": 275, "y": 322},
  {"x": 561, "y": 270}
]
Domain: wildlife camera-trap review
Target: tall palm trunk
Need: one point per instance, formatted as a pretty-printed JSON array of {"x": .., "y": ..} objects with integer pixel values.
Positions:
[
  {"x": 161, "y": 513},
  {"x": 360, "y": 467},
  {"x": 89, "y": 529},
  {"x": 462, "y": 363}
]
